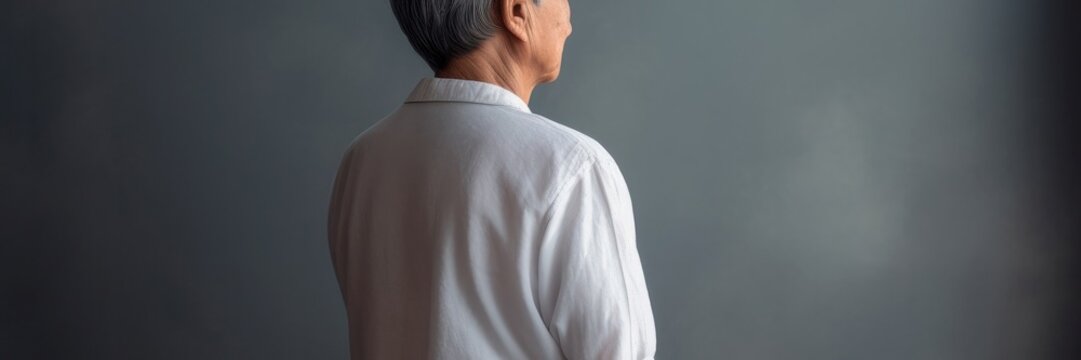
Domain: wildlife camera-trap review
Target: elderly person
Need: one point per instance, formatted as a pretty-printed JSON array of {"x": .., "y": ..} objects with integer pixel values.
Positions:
[{"x": 463, "y": 226}]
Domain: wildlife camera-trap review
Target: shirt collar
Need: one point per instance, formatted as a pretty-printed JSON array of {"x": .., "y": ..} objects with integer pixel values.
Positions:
[{"x": 455, "y": 90}]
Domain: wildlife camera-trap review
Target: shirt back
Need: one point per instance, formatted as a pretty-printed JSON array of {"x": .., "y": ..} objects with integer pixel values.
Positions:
[{"x": 462, "y": 226}]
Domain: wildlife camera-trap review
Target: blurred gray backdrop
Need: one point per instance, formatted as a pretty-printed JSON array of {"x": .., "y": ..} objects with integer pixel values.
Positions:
[{"x": 826, "y": 179}]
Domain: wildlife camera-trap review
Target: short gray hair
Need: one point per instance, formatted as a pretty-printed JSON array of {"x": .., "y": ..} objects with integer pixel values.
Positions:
[{"x": 441, "y": 30}]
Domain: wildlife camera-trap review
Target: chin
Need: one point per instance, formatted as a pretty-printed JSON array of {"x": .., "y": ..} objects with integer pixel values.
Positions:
[{"x": 550, "y": 76}]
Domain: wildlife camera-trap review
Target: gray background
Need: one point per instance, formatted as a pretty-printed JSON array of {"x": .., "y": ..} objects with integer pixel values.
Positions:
[{"x": 845, "y": 179}]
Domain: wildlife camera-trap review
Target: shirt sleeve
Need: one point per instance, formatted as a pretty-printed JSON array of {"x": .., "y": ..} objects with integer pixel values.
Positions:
[{"x": 595, "y": 299}]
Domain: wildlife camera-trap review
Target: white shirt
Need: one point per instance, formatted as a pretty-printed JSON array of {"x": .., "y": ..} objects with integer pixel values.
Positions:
[{"x": 463, "y": 226}]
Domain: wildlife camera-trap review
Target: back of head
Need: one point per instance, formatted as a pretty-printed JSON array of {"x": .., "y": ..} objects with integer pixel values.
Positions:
[{"x": 441, "y": 30}]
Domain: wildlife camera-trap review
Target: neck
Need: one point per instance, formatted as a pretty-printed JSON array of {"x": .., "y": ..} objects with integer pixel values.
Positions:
[{"x": 491, "y": 65}]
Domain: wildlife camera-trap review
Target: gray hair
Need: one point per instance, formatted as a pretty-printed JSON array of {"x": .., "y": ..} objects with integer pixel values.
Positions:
[{"x": 441, "y": 30}]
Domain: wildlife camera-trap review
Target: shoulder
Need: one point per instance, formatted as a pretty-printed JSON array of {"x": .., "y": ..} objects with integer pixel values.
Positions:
[
  {"x": 585, "y": 158},
  {"x": 541, "y": 154},
  {"x": 585, "y": 148}
]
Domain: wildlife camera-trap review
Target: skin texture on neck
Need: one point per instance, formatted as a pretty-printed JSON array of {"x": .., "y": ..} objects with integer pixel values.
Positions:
[
  {"x": 525, "y": 52},
  {"x": 492, "y": 63}
]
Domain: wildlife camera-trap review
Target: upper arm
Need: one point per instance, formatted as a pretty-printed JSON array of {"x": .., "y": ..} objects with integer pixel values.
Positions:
[{"x": 595, "y": 299}]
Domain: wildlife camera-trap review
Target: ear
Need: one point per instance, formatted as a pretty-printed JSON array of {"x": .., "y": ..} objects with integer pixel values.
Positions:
[{"x": 516, "y": 16}]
